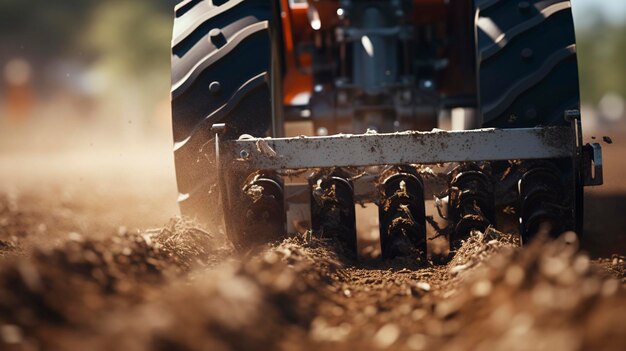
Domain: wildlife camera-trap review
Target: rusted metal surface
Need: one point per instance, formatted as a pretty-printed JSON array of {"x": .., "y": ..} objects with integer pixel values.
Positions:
[{"x": 400, "y": 148}]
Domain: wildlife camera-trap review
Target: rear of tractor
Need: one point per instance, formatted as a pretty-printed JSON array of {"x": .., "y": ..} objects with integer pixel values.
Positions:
[{"x": 287, "y": 114}]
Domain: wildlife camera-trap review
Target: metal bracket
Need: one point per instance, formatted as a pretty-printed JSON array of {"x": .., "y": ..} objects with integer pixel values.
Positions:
[
  {"x": 592, "y": 165},
  {"x": 589, "y": 156}
]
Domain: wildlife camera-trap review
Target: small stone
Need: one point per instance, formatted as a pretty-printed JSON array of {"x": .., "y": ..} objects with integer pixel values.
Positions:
[
  {"x": 147, "y": 239},
  {"x": 347, "y": 293},
  {"x": 482, "y": 288},
  {"x": 552, "y": 266},
  {"x": 386, "y": 336},
  {"x": 321, "y": 330},
  {"x": 457, "y": 269},
  {"x": 445, "y": 309},
  {"x": 418, "y": 314},
  {"x": 607, "y": 139},
  {"x": 30, "y": 276},
  {"x": 581, "y": 264},
  {"x": 271, "y": 258},
  {"x": 423, "y": 286},
  {"x": 570, "y": 238},
  {"x": 11, "y": 334},
  {"x": 73, "y": 236},
  {"x": 284, "y": 281}
]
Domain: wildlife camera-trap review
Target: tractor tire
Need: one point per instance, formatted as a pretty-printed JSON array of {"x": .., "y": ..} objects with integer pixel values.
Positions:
[
  {"x": 526, "y": 62},
  {"x": 527, "y": 75},
  {"x": 221, "y": 62}
]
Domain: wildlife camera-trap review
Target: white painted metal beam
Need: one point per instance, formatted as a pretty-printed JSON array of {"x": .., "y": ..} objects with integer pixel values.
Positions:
[{"x": 400, "y": 148}]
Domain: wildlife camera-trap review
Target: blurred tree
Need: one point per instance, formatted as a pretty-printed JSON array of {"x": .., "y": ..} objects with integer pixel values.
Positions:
[
  {"x": 602, "y": 56},
  {"x": 49, "y": 31},
  {"x": 130, "y": 43},
  {"x": 128, "y": 39}
]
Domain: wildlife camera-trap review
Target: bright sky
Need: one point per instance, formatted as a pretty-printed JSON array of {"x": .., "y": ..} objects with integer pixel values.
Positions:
[{"x": 614, "y": 10}]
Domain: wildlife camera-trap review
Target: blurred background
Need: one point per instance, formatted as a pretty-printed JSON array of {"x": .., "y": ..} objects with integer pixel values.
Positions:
[
  {"x": 91, "y": 75},
  {"x": 105, "y": 64}
]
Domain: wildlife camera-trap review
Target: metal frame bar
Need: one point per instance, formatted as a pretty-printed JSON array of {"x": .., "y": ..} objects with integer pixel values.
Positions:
[{"x": 399, "y": 148}]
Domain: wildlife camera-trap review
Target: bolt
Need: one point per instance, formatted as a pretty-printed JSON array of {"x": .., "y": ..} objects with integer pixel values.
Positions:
[
  {"x": 218, "y": 127},
  {"x": 217, "y": 37},
  {"x": 572, "y": 115},
  {"x": 527, "y": 54},
  {"x": 244, "y": 154},
  {"x": 215, "y": 32},
  {"x": 215, "y": 87}
]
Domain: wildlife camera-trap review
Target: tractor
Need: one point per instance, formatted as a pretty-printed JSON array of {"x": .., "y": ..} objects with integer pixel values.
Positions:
[{"x": 287, "y": 114}]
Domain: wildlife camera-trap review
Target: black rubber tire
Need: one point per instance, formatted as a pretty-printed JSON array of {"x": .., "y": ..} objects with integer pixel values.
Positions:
[
  {"x": 221, "y": 61},
  {"x": 527, "y": 73},
  {"x": 527, "y": 70}
]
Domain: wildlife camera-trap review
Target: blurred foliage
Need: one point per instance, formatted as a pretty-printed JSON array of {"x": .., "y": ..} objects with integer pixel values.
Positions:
[
  {"x": 602, "y": 58},
  {"x": 129, "y": 38},
  {"x": 121, "y": 39},
  {"x": 45, "y": 29},
  {"x": 41, "y": 28}
]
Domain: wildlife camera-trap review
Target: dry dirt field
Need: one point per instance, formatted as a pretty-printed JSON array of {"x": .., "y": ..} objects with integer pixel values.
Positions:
[{"x": 93, "y": 257}]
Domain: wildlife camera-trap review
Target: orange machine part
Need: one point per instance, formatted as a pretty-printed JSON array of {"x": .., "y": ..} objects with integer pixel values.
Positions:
[
  {"x": 296, "y": 29},
  {"x": 295, "y": 82}
]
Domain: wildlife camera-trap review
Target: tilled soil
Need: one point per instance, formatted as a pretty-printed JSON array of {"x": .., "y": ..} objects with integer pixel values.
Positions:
[{"x": 182, "y": 287}]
